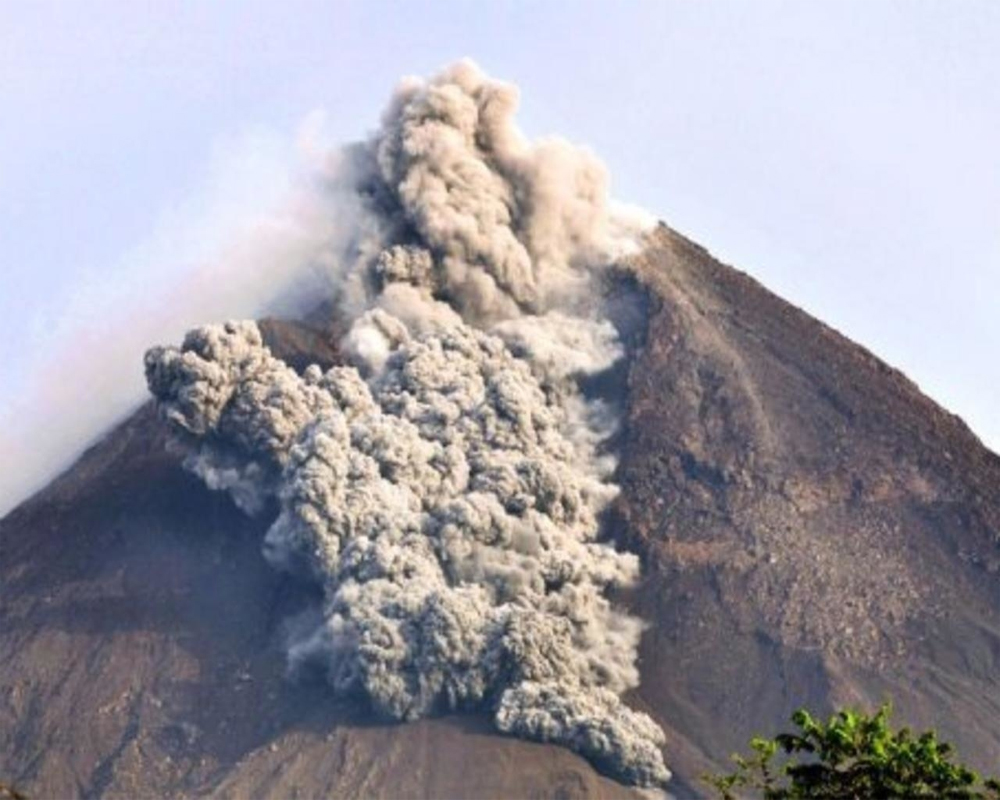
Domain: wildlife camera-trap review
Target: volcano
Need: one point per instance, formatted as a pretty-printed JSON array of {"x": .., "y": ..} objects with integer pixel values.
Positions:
[{"x": 813, "y": 531}]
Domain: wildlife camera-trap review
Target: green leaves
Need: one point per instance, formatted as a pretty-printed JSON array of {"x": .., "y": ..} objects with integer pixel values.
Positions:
[{"x": 853, "y": 756}]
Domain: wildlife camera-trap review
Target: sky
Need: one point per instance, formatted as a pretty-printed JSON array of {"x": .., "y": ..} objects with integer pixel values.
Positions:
[{"x": 844, "y": 154}]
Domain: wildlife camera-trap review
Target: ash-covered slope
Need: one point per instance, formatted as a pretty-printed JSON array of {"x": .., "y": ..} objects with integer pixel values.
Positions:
[{"x": 814, "y": 531}]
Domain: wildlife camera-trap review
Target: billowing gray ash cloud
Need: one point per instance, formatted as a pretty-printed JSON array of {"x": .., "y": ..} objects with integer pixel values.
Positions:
[{"x": 445, "y": 487}]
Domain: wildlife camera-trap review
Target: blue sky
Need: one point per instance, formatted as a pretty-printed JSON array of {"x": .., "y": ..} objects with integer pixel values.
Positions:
[{"x": 843, "y": 153}]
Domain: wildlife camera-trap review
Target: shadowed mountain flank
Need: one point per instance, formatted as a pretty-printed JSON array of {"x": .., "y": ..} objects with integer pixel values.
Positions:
[{"x": 813, "y": 531}]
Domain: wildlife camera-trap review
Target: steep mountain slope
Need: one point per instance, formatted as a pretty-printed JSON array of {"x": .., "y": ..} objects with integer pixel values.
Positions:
[
  {"x": 817, "y": 531},
  {"x": 814, "y": 531}
]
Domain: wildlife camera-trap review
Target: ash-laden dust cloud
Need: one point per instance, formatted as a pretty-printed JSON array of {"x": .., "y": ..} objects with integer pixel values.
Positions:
[{"x": 445, "y": 487}]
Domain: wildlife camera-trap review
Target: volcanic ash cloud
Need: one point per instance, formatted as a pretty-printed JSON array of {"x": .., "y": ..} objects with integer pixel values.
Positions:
[{"x": 445, "y": 488}]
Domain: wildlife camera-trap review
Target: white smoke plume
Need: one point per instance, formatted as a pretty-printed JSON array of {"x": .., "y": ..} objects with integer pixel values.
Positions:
[{"x": 445, "y": 488}]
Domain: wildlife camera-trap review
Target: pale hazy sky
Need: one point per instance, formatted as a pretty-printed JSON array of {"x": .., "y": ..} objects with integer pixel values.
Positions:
[{"x": 844, "y": 153}]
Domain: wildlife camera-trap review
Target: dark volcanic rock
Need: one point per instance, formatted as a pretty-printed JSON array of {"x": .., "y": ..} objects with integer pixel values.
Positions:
[{"x": 815, "y": 532}]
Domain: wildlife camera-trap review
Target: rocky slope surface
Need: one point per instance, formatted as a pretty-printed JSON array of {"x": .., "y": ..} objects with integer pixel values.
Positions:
[{"x": 814, "y": 531}]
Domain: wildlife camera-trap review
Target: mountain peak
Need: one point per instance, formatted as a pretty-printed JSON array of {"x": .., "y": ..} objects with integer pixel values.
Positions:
[{"x": 814, "y": 531}]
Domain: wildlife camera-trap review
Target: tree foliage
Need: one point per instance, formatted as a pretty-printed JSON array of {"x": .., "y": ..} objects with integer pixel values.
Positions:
[{"x": 853, "y": 756}]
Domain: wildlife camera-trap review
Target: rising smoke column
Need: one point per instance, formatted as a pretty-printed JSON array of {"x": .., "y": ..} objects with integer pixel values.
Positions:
[{"x": 445, "y": 488}]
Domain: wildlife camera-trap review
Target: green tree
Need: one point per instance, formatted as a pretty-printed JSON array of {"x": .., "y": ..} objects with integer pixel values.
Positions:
[{"x": 853, "y": 756}]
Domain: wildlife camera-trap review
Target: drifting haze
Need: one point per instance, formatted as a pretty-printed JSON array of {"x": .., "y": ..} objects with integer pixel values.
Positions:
[
  {"x": 442, "y": 490},
  {"x": 261, "y": 237}
]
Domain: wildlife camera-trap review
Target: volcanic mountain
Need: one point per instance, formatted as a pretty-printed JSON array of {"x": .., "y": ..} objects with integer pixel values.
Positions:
[{"x": 813, "y": 532}]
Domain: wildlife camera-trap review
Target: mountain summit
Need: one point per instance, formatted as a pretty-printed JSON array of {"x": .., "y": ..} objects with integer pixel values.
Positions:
[
  {"x": 524, "y": 465},
  {"x": 813, "y": 531}
]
